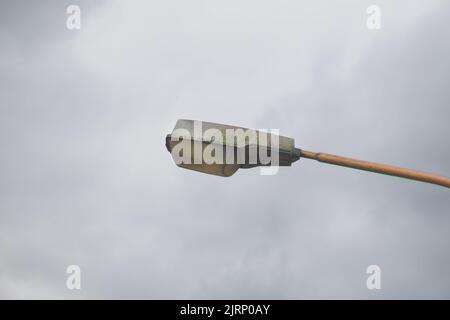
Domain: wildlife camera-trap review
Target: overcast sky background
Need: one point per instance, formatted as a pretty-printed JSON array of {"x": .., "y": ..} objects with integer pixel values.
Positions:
[{"x": 85, "y": 177}]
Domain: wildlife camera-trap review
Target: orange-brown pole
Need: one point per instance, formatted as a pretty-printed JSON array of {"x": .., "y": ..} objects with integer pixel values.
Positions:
[{"x": 377, "y": 167}]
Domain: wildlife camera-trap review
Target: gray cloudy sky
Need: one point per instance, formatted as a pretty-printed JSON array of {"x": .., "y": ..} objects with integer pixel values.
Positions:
[{"x": 86, "y": 180}]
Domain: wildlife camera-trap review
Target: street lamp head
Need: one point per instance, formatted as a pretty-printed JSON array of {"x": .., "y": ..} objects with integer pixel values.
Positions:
[{"x": 221, "y": 150}]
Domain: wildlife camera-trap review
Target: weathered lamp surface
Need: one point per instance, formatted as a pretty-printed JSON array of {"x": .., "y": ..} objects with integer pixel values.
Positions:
[{"x": 240, "y": 147}]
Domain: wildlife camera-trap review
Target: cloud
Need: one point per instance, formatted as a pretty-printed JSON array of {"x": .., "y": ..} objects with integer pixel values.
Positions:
[{"x": 86, "y": 178}]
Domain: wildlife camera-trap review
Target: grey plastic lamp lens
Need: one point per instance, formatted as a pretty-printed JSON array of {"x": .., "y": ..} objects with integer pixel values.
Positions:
[{"x": 221, "y": 150}]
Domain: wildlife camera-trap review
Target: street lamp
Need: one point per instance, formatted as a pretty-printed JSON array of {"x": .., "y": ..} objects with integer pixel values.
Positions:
[{"x": 221, "y": 150}]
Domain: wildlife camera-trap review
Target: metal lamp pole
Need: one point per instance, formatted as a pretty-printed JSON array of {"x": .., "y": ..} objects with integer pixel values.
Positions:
[{"x": 376, "y": 167}]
